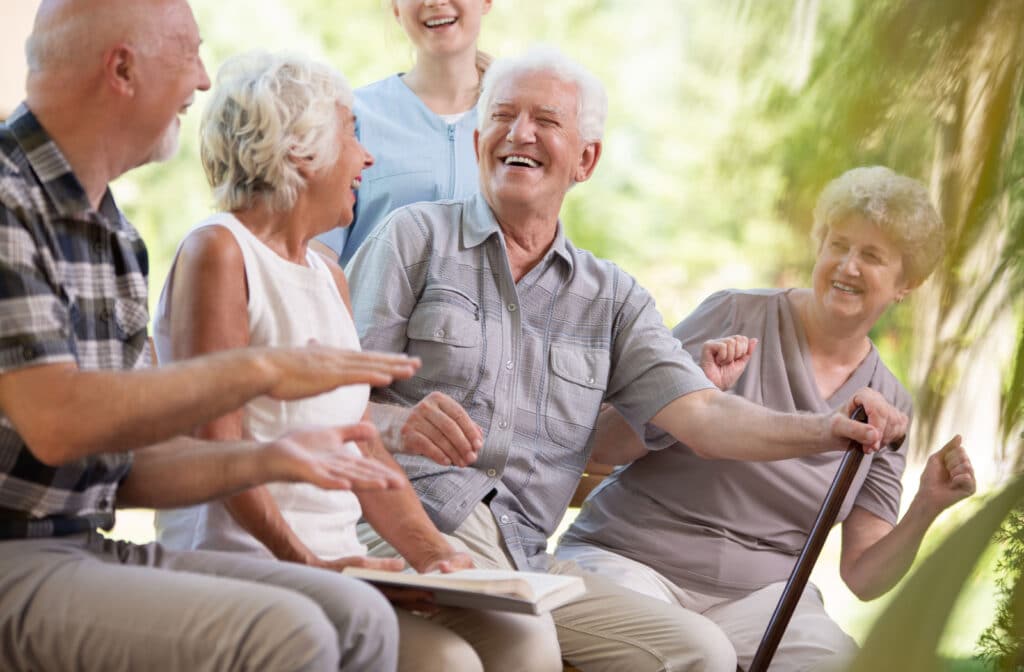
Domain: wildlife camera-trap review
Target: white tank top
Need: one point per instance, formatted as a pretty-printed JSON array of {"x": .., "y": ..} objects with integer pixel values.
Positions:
[{"x": 289, "y": 304}]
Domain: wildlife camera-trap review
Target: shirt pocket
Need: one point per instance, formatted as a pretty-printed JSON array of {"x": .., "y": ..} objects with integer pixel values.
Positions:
[
  {"x": 130, "y": 319},
  {"x": 579, "y": 378},
  {"x": 444, "y": 332}
]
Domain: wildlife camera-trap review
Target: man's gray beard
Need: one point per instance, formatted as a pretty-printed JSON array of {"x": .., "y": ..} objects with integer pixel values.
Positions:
[{"x": 167, "y": 146}]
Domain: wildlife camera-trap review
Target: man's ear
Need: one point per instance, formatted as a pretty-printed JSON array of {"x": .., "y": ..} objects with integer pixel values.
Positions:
[
  {"x": 120, "y": 69},
  {"x": 588, "y": 162}
]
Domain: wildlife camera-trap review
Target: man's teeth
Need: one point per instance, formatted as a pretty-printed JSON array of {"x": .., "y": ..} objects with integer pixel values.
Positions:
[
  {"x": 521, "y": 161},
  {"x": 845, "y": 288},
  {"x": 434, "y": 23},
  {"x": 356, "y": 182}
]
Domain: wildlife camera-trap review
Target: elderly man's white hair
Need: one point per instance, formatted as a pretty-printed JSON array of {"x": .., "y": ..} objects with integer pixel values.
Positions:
[
  {"x": 592, "y": 101},
  {"x": 268, "y": 113}
]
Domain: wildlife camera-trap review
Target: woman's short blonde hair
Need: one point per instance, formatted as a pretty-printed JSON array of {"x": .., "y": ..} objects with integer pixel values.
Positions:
[
  {"x": 267, "y": 112},
  {"x": 898, "y": 205}
]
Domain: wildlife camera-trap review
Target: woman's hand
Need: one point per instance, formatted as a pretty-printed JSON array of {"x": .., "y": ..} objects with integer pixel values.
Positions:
[
  {"x": 724, "y": 359},
  {"x": 948, "y": 477},
  {"x": 421, "y": 601}
]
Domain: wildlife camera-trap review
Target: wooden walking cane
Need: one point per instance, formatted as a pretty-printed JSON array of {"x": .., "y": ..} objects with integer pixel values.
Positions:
[{"x": 811, "y": 550}]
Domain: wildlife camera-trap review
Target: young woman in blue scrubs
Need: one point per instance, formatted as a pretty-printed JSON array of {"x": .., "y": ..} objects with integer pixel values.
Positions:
[{"x": 419, "y": 125}]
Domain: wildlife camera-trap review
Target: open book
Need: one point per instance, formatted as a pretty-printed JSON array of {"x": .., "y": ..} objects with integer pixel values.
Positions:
[{"x": 505, "y": 590}]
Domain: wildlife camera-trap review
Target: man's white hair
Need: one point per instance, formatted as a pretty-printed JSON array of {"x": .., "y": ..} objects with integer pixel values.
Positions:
[
  {"x": 591, "y": 99},
  {"x": 267, "y": 112}
]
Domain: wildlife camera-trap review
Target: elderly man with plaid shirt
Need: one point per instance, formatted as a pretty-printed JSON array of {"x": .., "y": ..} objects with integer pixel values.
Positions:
[{"x": 85, "y": 427}]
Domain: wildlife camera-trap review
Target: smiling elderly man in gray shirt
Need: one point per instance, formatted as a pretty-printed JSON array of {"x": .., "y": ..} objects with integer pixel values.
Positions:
[{"x": 530, "y": 335}]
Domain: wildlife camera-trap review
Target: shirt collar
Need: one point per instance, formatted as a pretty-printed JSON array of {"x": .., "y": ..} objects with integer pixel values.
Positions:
[
  {"x": 479, "y": 224},
  {"x": 54, "y": 172}
]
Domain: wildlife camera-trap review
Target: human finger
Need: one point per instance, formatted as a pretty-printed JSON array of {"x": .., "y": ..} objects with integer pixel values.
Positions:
[
  {"x": 367, "y": 473},
  {"x": 420, "y": 601},
  {"x": 848, "y": 429},
  {"x": 435, "y": 437},
  {"x": 415, "y": 443},
  {"x": 454, "y": 410},
  {"x": 360, "y": 431}
]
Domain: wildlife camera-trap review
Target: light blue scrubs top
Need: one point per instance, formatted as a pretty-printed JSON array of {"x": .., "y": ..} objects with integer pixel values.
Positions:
[{"x": 418, "y": 156}]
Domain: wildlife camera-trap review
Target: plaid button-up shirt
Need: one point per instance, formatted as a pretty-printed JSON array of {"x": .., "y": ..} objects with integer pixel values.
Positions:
[
  {"x": 72, "y": 291},
  {"x": 531, "y": 362}
]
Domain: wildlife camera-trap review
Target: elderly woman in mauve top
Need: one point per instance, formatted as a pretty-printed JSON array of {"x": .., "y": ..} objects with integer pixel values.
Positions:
[
  {"x": 280, "y": 152},
  {"x": 720, "y": 537}
]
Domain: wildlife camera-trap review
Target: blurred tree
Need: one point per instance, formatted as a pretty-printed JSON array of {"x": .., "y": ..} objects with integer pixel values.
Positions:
[{"x": 932, "y": 89}]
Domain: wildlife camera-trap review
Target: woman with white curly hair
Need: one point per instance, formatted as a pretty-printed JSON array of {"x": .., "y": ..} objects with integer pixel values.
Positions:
[
  {"x": 720, "y": 537},
  {"x": 277, "y": 143}
]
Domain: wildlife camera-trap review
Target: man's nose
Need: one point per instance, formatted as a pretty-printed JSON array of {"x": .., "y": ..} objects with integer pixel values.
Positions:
[{"x": 521, "y": 129}]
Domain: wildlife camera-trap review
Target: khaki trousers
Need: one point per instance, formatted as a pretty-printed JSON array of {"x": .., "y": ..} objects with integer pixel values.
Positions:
[
  {"x": 86, "y": 603},
  {"x": 609, "y": 628},
  {"x": 813, "y": 641}
]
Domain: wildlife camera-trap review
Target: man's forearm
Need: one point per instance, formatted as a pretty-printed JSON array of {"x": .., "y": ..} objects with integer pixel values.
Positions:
[
  {"x": 89, "y": 412},
  {"x": 722, "y": 426},
  {"x": 184, "y": 472}
]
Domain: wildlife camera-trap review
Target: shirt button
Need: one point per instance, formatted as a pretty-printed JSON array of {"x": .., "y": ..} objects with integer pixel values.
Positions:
[
  {"x": 104, "y": 503},
  {"x": 504, "y": 520},
  {"x": 511, "y": 307},
  {"x": 590, "y": 380},
  {"x": 439, "y": 333},
  {"x": 503, "y": 424},
  {"x": 508, "y": 365},
  {"x": 492, "y": 473}
]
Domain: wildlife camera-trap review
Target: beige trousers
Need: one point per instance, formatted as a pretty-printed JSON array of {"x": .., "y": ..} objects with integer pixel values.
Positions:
[
  {"x": 813, "y": 641},
  {"x": 609, "y": 628},
  {"x": 86, "y": 603}
]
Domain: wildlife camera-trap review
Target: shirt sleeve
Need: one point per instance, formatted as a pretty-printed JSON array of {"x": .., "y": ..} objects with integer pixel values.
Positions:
[
  {"x": 36, "y": 323},
  {"x": 383, "y": 297},
  {"x": 713, "y": 318},
  {"x": 649, "y": 368},
  {"x": 883, "y": 486}
]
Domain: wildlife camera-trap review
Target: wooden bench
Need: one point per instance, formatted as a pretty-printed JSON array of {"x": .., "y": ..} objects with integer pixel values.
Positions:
[{"x": 592, "y": 477}]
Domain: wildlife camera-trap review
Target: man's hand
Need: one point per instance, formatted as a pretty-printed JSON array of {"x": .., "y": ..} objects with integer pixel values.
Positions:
[
  {"x": 724, "y": 359},
  {"x": 440, "y": 429},
  {"x": 320, "y": 457},
  {"x": 947, "y": 478},
  {"x": 297, "y": 373},
  {"x": 452, "y": 562},
  {"x": 886, "y": 424}
]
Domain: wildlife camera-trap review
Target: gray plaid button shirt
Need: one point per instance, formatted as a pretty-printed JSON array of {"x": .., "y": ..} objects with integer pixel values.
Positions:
[
  {"x": 531, "y": 362},
  {"x": 72, "y": 290}
]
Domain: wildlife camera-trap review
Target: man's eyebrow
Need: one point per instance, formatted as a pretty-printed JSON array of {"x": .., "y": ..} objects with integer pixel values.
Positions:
[{"x": 550, "y": 109}]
